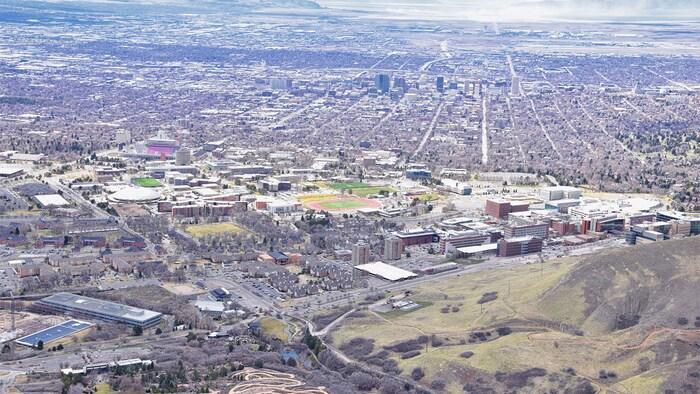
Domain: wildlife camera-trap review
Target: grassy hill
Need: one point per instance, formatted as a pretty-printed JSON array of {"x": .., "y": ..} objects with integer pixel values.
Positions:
[
  {"x": 648, "y": 285},
  {"x": 618, "y": 321}
]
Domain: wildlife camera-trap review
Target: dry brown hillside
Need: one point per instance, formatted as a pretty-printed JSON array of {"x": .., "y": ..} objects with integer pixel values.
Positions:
[{"x": 648, "y": 285}]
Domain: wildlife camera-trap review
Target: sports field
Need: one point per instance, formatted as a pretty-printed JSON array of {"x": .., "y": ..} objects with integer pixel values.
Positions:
[
  {"x": 201, "y": 230},
  {"x": 146, "y": 182},
  {"x": 340, "y": 204},
  {"x": 347, "y": 185}
]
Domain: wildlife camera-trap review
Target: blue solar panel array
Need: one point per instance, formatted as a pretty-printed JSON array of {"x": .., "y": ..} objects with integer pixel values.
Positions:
[{"x": 53, "y": 333}]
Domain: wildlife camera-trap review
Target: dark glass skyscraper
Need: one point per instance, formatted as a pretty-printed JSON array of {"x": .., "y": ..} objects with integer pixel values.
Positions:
[
  {"x": 440, "y": 84},
  {"x": 382, "y": 82}
]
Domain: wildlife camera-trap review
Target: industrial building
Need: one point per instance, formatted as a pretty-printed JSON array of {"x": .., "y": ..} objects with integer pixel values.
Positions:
[{"x": 76, "y": 305}]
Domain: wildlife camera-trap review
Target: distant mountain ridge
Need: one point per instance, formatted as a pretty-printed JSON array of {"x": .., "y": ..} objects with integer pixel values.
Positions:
[{"x": 154, "y": 6}]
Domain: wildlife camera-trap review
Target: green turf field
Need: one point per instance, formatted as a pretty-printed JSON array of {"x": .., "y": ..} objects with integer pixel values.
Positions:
[
  {"x": 371, "y": 190},
  {"x": 348, "y": 185},
  {"x": 342, "y": 204},
  {"x": 146, "y": 182}
]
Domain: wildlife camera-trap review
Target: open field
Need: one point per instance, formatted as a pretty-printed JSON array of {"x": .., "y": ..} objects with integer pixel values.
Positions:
[
  {"x": 103, "y": 388},
  {"x": 556, "y": 316},
  {"x": 338, "y": 203},
  {"x": 347, "y": 185},
  {"x": 146, "y": 182},
  {"x": 372, "y": 190},
  {"x": 202, "y": 230},
  {"x": 274, "y": 328},
  {"x": 307, "y": 198},
  {"x": 429, "y": 197},
  {"x": 359, "y": 188},
  {"x": 183, "y": 289}
]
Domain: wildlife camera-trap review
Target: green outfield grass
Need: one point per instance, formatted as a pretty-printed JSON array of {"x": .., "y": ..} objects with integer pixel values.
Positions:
[
  {"x": 146, "y": 182},
  {"x": 348, "y": 185},
  {"x": 371, "y": 190}
]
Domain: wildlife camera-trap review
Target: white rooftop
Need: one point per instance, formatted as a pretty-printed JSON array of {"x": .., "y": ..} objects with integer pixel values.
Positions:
[
  {"x": 51, "y": 200},
  {"x": 135, "y": 194},
  {"x": 478, "y": 248},
  {"x": 209, "y": 306},
  {"x": 386, "y": 271}
]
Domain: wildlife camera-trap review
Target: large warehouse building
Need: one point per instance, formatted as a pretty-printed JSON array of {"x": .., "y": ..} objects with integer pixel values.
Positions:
[
  {"x": 385, "y": 271},
  {"x": 76, "y": 305}
]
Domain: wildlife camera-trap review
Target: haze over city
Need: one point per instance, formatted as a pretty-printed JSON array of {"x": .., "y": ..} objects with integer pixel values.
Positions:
[{"x": 321, "y": 197}]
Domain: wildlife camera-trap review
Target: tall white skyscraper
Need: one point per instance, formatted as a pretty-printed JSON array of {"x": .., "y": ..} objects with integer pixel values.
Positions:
[{"x": 515, "y": 86}]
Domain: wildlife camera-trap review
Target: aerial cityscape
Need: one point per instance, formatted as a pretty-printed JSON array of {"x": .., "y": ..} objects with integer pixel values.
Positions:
[{"x": 320, "y": 197}]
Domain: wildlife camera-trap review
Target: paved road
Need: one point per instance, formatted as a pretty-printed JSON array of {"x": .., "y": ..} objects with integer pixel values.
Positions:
[
  {"x": 430, "y": 130},
  {"x": 544, "y": 130},
  {"x": 484, "y": 132}
]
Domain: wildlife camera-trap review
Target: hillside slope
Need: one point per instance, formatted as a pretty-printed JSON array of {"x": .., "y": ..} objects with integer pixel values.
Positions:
[
  {"x": 619, "y": 321},
  {"x": 647, "y": 285}
]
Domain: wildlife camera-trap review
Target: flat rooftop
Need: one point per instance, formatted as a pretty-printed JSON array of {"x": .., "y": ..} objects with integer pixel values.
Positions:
[
  {"x": 478, "y": 248},
  {"x": 95, "y": 306},
  {"x": 54, "y": 333},
  {"x": 386, "y": 271},
  {"x": 51, "y": 200}
]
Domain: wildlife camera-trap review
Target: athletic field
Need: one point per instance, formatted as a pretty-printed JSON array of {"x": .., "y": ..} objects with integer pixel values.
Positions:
[
  {"x": 146, "y": 182},
  {"x": 341, "y": 204}
]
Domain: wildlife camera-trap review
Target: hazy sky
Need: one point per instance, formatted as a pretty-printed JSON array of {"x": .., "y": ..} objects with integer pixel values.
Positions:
[{"x": 526, "y": 9}]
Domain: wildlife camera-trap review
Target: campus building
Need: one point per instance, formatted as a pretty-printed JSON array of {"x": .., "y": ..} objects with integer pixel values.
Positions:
[
  {"x": 539, "y": 230},
  {"x": 87, "y": 307},
  {"x": 519, "y": 246},
  {"x": 360, "y": 253},
  {"x": 500, "y": 208},
  {"x": 392, "y": 248}
]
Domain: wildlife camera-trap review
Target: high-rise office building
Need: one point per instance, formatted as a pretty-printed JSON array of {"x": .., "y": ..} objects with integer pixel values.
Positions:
[
  {"x": 382, "y": 83},
  {"x": 515, "y": 86},
  {"x": 360, "y": 253},
  {"x": 280, "y": 83},
  {"x": 440, "y": 84},
  {"x": 400, "y": 82}
]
